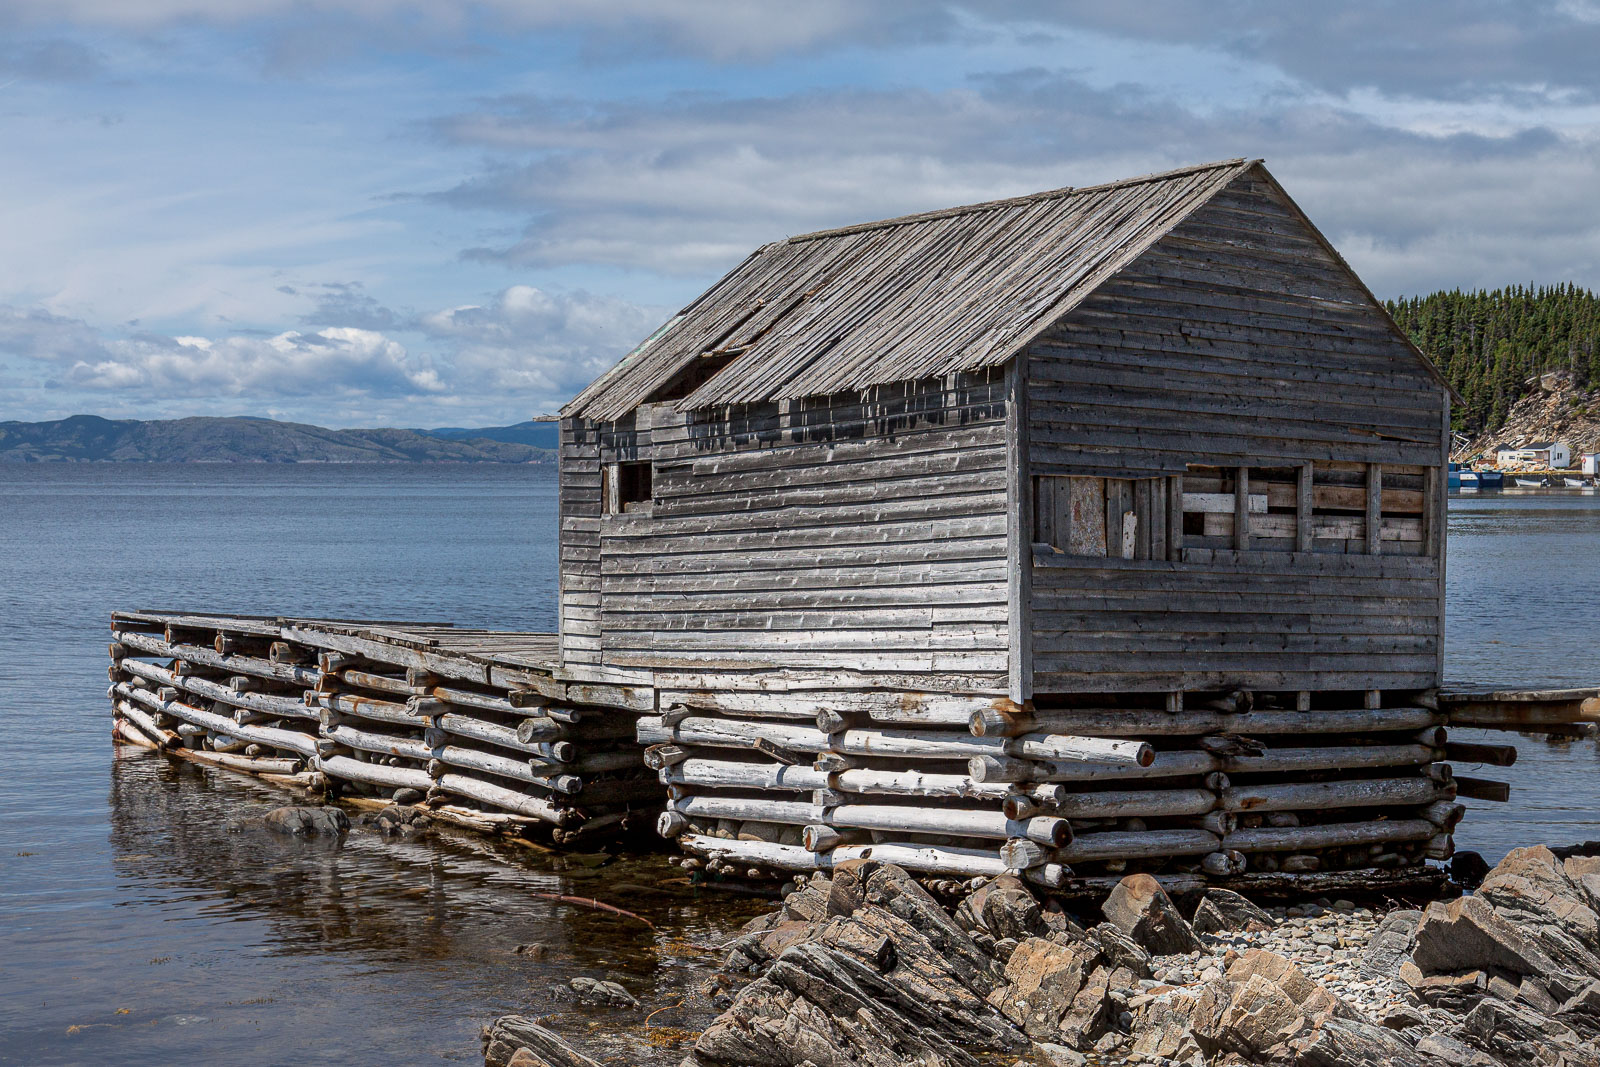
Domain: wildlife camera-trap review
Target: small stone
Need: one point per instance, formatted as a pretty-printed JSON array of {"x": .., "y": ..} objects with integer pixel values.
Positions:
[{"x": 1049, "y": 1055}]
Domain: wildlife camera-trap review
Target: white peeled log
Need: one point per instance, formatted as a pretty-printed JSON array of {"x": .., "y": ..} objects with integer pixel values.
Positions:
[
  {"x": 1065, "y": 748},
  {"x": 288, "y": 740},
  {"x": 367, "y": 708},
  {"x": 969, "y": 862},
  {"x": 958, "y": 822},
  {"x": 819, "y": 838},
  {"x": 1140, "y": 802},
  {"x": 730, "y": 774},
  {"x": 281, "y": 707},
  {"x": 788, "y": 812},
  {"x": 670, "y": 824},
  {"x": 146, "y": 725},
  {"x": 1329, "y": 835},
  {"x": 1128, "y": 722},
  {"x": 1330, "y": 758},
  {"x": 151, "y": 645},
  {"x": 473, "y": 789},
  {"x": 1021, "y": 853},
  {"x": 541, "y": 728},
  {"x": 1353, "y": 792},
  {"x": 263, "y": 765},
  {"x": 1000, "y": 769},
  {"x": 914, "y": 744},
  {"x": 124, "y": 730},
  {"x": 1140, "y": 844},
  {"x": 490, "y": 732},
  {"x": 1163, "y": 765},
  {"x": 729, "y": 733},
  {"x": 453, "y": 755}
]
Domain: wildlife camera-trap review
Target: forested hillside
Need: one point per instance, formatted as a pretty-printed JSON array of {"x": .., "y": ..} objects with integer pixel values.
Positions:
[{"x": 1490, "y": 344}]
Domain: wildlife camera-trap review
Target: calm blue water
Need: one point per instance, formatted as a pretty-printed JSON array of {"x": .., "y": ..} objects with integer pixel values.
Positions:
[{"x": 134, "y": 929}]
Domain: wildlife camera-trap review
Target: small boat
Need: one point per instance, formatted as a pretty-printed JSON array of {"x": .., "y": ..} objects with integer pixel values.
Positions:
[
  {"x": 1490, "y": 479},
  {"x": 1574, "y": 482},
  {"x": 1467, "y": 478},
  {"x": 1527, "y": 482}
]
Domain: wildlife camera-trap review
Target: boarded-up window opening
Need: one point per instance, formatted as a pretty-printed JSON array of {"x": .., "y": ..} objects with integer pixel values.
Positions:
[
  {"x": 1317, "y": 507},
  {"x": 1116, "y": 518}
]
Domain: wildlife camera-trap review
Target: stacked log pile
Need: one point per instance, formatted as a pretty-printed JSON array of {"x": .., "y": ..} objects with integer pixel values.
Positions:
[
  {"x": 300, "y": 712},
  {"x": 1073, "y": 798}
]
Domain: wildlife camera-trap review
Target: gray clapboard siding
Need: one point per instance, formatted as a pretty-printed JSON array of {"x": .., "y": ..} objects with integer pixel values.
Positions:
[
  {"x": 1237, "y": 340},
  {"x": 875, "y": 544}
]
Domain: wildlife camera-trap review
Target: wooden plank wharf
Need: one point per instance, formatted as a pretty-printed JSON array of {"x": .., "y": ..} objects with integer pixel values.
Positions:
[{"x": 475, "y": 723}]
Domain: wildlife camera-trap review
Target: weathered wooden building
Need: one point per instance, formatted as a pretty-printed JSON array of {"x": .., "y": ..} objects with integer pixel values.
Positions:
[{"x": 1147, "y": 437}]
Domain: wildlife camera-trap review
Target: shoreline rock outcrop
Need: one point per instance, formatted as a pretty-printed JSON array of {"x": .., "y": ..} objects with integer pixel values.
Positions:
[{"x": 867, "y": 968}]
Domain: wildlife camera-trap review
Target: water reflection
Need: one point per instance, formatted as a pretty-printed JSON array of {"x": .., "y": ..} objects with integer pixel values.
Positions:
[{"x": 435, "y": 922}]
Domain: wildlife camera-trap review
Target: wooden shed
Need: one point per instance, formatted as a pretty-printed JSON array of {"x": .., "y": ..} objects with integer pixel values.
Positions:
[{"x": 1150, "y": 437}]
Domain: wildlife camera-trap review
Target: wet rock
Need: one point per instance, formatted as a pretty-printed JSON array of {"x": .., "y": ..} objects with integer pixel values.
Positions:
[
  {"x": 1222, "y": 910},
  {"x": 608, "y": 994},
  {"x": 1141, "y": 908},
  {"x": 300, "y": 821},
  {"x": 1468, "y": 869},
  {"x": 1046, "y": 1054},
  {"x": 517, "y": 1041},
  {"x": 1390, "y": 945},
  {"x": 396, "y": 820},
  {"x": 406, "y": 797}
]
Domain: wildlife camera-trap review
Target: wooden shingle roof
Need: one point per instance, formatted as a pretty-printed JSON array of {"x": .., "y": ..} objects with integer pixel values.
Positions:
[{"x": 913, "y": 297}]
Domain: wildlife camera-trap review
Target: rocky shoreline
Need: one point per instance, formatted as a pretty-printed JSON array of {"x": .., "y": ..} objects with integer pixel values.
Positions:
[{"x": 867, "y": 968}]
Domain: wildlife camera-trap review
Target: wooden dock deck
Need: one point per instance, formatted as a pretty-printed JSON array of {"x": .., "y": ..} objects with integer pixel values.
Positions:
[{"x": 477, "y": 722}]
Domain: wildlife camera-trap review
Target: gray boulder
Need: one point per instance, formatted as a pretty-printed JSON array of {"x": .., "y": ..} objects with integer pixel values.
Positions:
[
  {"x": 1466, "y": 934},
  {"x": 1224, "y": 911},
  {"x": 1390, "y": 945},
  {"x": 1140, "y": 908},
  {"x": 517, "y": 1041}
]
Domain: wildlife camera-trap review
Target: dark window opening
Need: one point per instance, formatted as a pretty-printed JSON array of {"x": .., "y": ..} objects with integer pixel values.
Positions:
[{"x": 628, "y": 487}]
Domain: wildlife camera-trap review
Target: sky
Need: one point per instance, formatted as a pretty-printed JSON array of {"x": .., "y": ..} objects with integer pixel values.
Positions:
[{"x": 388, "y": 212}]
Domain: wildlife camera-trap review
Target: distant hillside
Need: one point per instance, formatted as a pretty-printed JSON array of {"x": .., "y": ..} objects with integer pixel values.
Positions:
[
  {"x": 89, "y": 438},
  {"x": 1496, "y": 347},
  {"x": 537, "y": 434}
]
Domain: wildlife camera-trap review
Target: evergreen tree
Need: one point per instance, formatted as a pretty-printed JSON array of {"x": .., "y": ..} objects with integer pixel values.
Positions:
[{"x": 1489, "y": 345}]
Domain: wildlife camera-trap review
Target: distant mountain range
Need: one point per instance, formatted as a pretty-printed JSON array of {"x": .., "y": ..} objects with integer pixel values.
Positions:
[{"x": 89, "y": 439}]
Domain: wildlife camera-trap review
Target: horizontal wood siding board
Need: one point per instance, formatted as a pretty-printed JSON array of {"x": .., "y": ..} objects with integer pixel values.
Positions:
[{"x": 1068, "y": 679}]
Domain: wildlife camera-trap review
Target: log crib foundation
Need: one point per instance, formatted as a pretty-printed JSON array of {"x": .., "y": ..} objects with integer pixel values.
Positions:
[
  {"x": 1237, "y": 789},
  {"x": 474, "y": 724},
  {"x": 1265, "y": 792}
]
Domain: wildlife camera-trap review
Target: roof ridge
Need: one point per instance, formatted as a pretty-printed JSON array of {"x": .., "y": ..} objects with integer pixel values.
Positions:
[{"x": 1012, "y": 201}]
